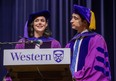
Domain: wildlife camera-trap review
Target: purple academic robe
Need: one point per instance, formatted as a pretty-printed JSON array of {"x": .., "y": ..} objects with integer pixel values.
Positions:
[
  {"x": 93, "y": 61},
  {"x": 48, "y": 42}
]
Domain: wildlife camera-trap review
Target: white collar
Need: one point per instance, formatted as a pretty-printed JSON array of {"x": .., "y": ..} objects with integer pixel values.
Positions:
[{"x": 84, "y": 31}]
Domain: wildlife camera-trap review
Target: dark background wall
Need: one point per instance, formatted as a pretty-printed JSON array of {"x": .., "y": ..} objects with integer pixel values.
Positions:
[{"x": 14, "y": 13}]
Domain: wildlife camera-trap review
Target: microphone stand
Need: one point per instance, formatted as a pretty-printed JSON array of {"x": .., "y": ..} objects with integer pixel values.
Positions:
[
  {"x": 2, "y": 43},
  {"x": 10, "y": 43}
]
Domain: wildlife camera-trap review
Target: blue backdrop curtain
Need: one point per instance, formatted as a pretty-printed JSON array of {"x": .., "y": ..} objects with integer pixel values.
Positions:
[{"x": 14, "y": 14}]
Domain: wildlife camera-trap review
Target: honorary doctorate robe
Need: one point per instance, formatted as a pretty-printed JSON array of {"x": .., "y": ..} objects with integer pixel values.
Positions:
[{"x": 93, "y": 61}]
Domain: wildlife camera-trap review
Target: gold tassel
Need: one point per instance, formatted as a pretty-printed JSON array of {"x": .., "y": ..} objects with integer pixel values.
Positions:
[{"x": 92, "y": 22}]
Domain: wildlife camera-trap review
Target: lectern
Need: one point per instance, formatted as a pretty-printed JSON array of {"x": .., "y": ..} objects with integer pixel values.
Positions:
[{"x": 38, "y": 64}]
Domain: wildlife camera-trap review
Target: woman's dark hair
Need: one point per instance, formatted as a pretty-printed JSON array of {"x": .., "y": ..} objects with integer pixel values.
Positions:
[{"x": 46, "y": 33}]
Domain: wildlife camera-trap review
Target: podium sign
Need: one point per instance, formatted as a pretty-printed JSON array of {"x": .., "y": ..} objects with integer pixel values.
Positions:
[
  {"x": 38, "y": 64},
  {"x": 36, "y": 56}
]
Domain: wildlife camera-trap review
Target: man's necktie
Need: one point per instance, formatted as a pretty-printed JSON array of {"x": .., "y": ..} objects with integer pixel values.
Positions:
[{"x": 72, "y": 67}]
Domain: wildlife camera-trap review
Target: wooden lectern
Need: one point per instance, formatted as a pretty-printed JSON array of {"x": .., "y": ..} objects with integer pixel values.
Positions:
[{"x": 38, "y": 64}]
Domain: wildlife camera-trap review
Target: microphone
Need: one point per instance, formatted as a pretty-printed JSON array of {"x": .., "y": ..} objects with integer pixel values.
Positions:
[{"x": 40, "y": 42}]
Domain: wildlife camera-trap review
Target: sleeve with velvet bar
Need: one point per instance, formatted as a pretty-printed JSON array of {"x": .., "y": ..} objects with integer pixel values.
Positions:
[{"x": 96, "y": 66}]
